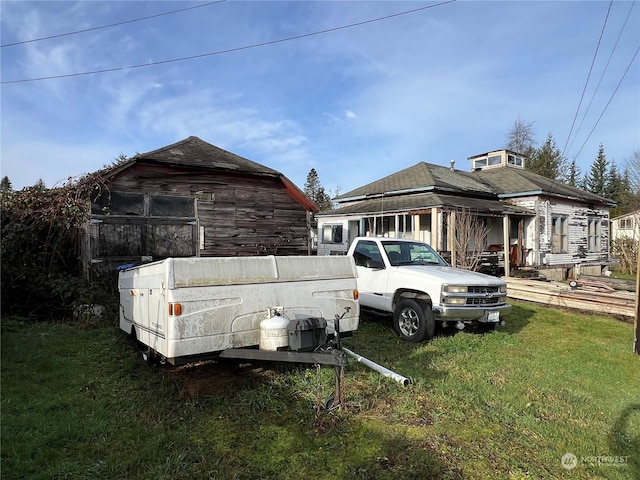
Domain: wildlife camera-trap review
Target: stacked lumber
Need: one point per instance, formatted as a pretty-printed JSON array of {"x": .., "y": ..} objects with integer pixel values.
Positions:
[{"x": 557, "y": 294}]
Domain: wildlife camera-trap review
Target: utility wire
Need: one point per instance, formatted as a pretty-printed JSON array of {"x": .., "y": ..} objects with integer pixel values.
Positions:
[
  {"x": 230, "y": 50},
  {"x": 610, "y": 99},
  {"x": 595, "y": 54},
  {"x": 584, "y": 116},
  {"x": 110, "y": 25}
]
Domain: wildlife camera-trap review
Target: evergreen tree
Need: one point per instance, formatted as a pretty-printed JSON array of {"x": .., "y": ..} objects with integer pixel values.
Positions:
[
  {"x": 548, "y": 160},
  {"x": 520, "y": 138},
  {"x": 613, "y": 186},
  {"x": 315, "y": 191},
  {"x": 621, "y": 193},
  {"x": 596, "y": 179},
  {"x": 633, "y": 171},
  {"x": 5, "y": 184},
  {"x": 573, "y": 176}
]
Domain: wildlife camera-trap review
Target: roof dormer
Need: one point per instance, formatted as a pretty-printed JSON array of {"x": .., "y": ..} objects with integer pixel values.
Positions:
[{"x": 497, "y": 158}]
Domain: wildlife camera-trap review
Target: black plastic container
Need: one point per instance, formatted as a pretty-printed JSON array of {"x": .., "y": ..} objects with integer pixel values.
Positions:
[{"x": 307, "y": 334}]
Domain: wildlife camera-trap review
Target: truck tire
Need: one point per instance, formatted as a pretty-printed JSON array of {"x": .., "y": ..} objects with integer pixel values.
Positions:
[{"x": 413, "y": 322}]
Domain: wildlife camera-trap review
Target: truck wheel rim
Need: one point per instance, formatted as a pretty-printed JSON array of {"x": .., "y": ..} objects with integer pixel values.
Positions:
[{"x": 409, "y": 322}]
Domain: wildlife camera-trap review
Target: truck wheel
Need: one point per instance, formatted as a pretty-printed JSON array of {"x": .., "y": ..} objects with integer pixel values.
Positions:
[{"x": 412, "y": 322}]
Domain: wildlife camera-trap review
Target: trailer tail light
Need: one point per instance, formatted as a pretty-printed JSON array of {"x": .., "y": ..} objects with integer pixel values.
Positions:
[
  {"x": 356, "y": 294},
  {"x": 175, "y": 309}
]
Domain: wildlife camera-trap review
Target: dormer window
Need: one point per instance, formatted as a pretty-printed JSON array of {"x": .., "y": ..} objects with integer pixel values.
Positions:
[
  {"x": 514, "y": 160},
  {"x": 494, "y": 160},
  {"x": 499, "y": 158}
]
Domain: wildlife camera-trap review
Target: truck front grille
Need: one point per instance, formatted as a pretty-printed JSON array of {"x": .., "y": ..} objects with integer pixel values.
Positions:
[
  {"x": 482, "y": 289},
  {"x": 484, "y": 301}
]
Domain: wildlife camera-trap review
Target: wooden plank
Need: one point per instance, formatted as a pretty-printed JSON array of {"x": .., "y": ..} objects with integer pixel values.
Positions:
[{"x": 560, "y": 295}]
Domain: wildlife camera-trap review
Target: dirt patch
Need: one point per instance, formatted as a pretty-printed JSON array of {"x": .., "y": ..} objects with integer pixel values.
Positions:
[{"x": 213, "y": 378}]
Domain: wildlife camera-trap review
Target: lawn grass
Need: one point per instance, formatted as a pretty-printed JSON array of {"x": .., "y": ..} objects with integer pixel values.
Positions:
[{"x": 80, "y": 404}]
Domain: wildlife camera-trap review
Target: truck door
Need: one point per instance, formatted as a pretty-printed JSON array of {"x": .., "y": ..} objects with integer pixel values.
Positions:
[{"x": 372, "y": 276}]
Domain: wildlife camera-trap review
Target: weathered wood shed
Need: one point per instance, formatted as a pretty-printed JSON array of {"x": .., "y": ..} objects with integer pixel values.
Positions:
[{"x": 192, "y": 198}]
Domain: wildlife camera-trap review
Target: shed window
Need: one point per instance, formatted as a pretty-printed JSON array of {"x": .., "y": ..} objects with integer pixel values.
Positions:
[
  {"x": 118, "y": 203},
  {"x": 171, "y": 206},
  {"x": 559, "y": 235},
  {"x": 332, "y": 233},
  {"x": 594, "y": 233}
]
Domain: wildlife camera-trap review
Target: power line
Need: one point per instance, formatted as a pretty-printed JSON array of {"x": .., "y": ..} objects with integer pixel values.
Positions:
[
  {"x": 595, "y": 54},
  {"x": 610, "y": 99},
  {"x": 603, "y": 73},
  {"x": 230, "y": 50},
  {"x": 110, "y": 25}
]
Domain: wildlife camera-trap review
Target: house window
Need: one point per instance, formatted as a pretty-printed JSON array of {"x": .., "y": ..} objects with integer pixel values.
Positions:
[
  {"x": 513, "y": 160},
  {"x": 626, "y": 224},
  {"x": 593, "y": 234},
  {"x": 480, "y": 162},
  {"x": 405, "y": 225},
  {"x": 559, "y": 235},
  {"x": 495, "y": 160},
  {"x": 332, "y": 233}
]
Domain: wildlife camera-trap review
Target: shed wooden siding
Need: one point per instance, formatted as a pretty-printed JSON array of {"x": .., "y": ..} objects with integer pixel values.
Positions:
[{"x": 167, "y": 208}]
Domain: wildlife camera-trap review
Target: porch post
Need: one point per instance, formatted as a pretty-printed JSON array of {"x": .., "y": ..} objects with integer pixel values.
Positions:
[
  {"x": 451, "y": 234},
  {"x": 506, "y": 246},
  {"x": 435, "y": 236}
]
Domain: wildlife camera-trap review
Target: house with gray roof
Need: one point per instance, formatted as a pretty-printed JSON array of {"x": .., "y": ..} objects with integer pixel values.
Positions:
[{"x": 534, "y": 221}]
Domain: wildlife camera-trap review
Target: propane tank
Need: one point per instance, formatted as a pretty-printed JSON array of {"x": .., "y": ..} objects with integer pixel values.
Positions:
[{"x": 274, "y": 333}]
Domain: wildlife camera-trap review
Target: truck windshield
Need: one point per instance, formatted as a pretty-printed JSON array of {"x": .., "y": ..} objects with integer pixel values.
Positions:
[{"x": 411, "y": 253}]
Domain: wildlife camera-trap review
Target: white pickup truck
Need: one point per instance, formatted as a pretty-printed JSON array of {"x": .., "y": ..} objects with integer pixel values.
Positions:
[{"x": 410, "y": 280}]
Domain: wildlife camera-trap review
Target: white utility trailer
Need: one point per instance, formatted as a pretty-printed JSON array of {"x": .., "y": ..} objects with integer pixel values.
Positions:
[{"x": 271, "y": 307}]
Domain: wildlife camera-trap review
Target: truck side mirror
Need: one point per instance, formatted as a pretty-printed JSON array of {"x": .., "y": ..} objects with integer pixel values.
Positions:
[{"x": 375, "y": 264}]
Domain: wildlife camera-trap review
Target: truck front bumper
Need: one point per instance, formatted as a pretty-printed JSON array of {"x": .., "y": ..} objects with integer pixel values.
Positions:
[{"x": 469, "y": 313}]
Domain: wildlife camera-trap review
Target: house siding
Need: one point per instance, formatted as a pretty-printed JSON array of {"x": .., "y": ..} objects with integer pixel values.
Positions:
[{"x": 577, "y": 217}]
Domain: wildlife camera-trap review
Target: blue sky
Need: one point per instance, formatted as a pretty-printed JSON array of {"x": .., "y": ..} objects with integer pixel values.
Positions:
[{"x": 356, "y": 104}]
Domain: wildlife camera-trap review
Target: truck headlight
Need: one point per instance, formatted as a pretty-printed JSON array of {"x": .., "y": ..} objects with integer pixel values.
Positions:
[
  {"x": 455, "y": 289},
  {"x": 456, "y": 301},
  {"x": 503, "y": 288}
]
